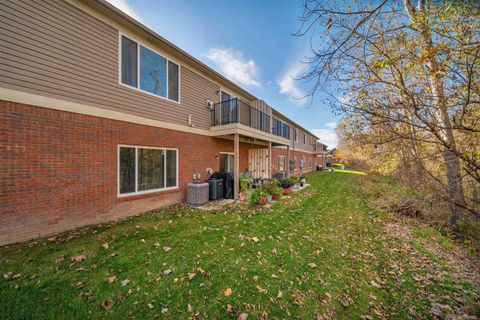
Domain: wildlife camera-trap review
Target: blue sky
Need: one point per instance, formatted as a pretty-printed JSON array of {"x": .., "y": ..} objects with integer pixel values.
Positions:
[{"x": 249, "y": 42}]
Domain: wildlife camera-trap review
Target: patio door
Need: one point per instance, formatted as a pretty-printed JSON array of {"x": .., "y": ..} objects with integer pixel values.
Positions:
[
  {"x": 227, "y": 162},
  {"x": 258, "y": 162},
  {"x": 228, "y": 111}
]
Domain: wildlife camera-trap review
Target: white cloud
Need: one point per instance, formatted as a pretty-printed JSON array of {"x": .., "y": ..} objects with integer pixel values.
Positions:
[
  {"x": 331, "y": 125},
  {"x": 288, "y": 84},
  {"x": 126, "y": 8},
  {"x": 234, "y": 66},
  {"x": 327, "y": 134}
]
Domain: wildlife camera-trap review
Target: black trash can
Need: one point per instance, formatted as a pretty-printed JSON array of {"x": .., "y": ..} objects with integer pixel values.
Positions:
[
  {"x": 228, "y": 181},
  {"x": 215, "y": 187}
]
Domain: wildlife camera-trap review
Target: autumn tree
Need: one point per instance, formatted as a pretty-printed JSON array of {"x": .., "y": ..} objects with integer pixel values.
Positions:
[{"x": 407, "y": 74}]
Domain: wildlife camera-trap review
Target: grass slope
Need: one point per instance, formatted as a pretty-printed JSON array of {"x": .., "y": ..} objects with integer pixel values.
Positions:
[{"x": 321, "y": 253}]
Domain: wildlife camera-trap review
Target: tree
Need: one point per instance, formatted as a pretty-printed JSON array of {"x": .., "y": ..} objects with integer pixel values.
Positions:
[{"x": 407, "y": 72}]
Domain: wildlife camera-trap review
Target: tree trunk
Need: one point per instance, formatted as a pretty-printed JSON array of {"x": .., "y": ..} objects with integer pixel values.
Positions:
[{"x": 456, "y": 195}]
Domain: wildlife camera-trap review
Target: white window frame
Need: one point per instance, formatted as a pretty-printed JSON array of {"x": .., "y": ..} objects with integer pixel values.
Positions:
[
  {"x": 139, "y": 43},
  {"x": 136, "y": 192},
  {"x": 228, "y": 153}
]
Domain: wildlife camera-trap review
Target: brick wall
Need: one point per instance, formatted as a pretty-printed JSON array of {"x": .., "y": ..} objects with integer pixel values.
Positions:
[
  {"x": 310, "y": 160},
  {"x": 58, "y": 169}
]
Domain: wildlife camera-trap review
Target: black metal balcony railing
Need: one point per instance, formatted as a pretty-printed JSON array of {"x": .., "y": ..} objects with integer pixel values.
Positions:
[
  {"x": 237, "y": 111},
  {"x": 280, "y": 129}
]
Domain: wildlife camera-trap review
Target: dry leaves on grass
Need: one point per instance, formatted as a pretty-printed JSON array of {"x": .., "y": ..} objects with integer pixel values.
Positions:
[
  {"x": 227, "y": 292},
  {"x": 107, "y": 304},
  {"x": 79, "y": 258}
]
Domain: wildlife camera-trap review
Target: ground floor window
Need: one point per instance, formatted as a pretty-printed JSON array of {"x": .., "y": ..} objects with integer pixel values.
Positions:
[
  {"x": 146, "y": 169},
  {"x": 281, "y": 163},
  {"x": 227, "y": 162}
]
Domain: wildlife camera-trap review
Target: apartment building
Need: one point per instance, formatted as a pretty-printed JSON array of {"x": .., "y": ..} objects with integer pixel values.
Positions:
[{"x": 101, "y": 118}]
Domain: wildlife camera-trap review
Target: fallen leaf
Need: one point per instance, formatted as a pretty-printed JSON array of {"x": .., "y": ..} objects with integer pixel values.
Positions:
[
  {"x": 8, "y": 275},
  {"x": 191, "y": 276},
  {"x": 189, "y": 308},
  {"x": 227, "y": 292},
  {"x": 166, "y": 249},
  {"x": 167, "y": 272},
  {"x": 150, "y": 306},
  {"x": 254, "y": 239},
  {"x": 242, "y": 316},
  {"x": 229, "y": 308},
  {"x": 142, "y": 240},
  {"x": 111, "y": 279},
  {"x": 107, "y": 304},
  {"x": 255, "y": 278},
  {"x": 124, "y": 282},
  {"x": 105, "y": 246},
  {"x": 312, "y": 265},
  {"x": 78, "y": 258}
]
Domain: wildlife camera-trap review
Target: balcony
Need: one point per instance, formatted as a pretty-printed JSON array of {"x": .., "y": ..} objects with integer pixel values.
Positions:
[
  {"x": 281, "y": 129},
  {"x": 235, "y": 111}
]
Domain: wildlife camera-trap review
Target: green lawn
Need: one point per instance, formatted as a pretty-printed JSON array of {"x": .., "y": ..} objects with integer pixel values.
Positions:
[{"x": 320, "y": 253}]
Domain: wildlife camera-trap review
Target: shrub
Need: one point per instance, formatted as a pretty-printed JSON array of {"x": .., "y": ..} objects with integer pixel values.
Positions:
[
  {"x": 245, "y": 182},
  {"x": 271, "y": 186},
  {"x": 286, "y": 183}
]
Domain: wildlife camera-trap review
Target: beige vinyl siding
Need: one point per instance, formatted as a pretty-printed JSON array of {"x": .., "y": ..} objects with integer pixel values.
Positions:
[{"x": 54, "y": 49}]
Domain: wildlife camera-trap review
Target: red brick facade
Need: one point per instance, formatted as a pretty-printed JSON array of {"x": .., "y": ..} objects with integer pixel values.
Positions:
[
  {"x": 59, "y": 169},
  {"x": 311, "y": 160}
]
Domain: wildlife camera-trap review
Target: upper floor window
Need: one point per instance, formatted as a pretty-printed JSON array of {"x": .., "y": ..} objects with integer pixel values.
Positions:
[
  {"x": 146, "y": 70},
  {"x": 304, "y": 138},
  {"x": 295, "y": 134}
]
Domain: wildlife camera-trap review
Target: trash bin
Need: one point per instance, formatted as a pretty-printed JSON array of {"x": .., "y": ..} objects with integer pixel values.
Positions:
[{"x": 215, "y": 187}]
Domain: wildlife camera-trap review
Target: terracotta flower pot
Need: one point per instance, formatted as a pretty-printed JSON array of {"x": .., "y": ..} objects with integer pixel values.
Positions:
[
  {"x": 262, "y": 201},
  {"x": 275, "y": 197},
  {"x": 286, "y": 191}
]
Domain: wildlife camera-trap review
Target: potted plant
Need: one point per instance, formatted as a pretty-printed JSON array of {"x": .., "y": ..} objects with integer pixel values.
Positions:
[
  {"x": 277, "y": 193},
  {"x": 294, "y": 181},
  {"x": 303, "y": 180},
  {"x": 245, "y": 182},
  {"x": 286, "y": 184},
  {"x": 270, "y": 188},
  {"x": 259, "y": 196}
]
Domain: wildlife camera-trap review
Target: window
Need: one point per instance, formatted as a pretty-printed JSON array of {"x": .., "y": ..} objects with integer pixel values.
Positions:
[
  {"x": 295, "y": 134},
  {"x": 227, "y": 162},
  {"x": 156, "y": 74},
  {"x": 304, "y": 138},
  {"x": 280, "y": 129},
  {"x": 143, "y": 169},
  {"x": 129, "y": 62},
  {"x": 281, "y": 163},
  {"x": 229, "y": 108},
  {"x": 153, "y": 72}
]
